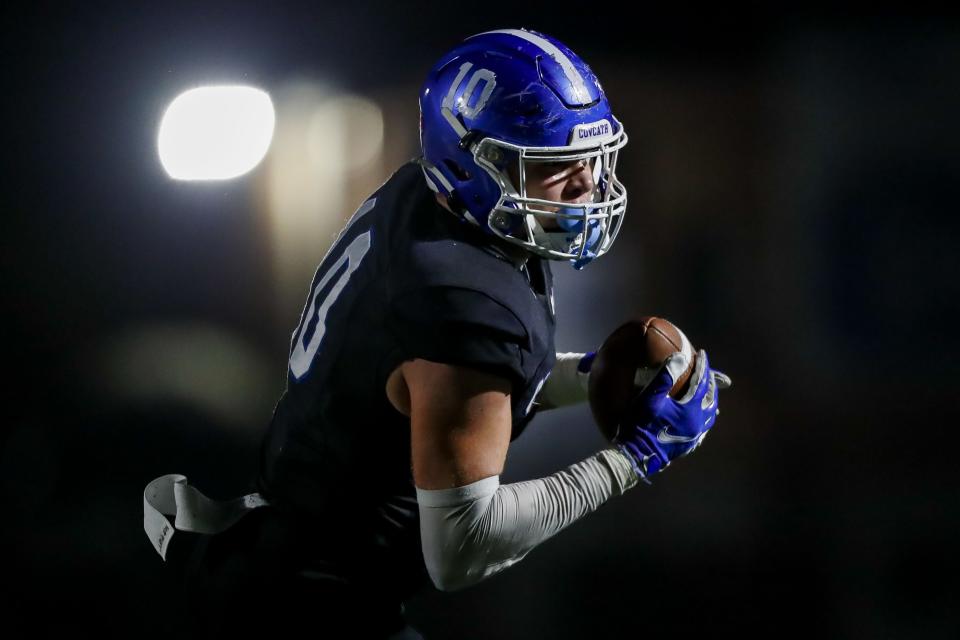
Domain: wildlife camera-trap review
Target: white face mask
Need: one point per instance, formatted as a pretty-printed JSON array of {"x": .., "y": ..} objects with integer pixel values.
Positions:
[{"x": 513, "y": 219}]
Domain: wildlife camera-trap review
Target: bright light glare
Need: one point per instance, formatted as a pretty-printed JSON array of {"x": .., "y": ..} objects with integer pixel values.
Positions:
[{"x": 215, "y": 133}]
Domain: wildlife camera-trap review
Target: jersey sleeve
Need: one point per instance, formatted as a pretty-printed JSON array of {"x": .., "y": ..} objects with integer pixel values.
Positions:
[{"x": 460, "y": 326}]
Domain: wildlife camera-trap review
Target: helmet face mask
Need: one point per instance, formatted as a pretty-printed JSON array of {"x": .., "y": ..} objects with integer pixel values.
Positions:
[
  {"x": 518, "y": 217},
  {"x": 494, "y": 111}
]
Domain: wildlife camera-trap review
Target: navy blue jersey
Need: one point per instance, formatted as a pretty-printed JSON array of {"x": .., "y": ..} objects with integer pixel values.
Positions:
[{"x": 405, "y": 279}]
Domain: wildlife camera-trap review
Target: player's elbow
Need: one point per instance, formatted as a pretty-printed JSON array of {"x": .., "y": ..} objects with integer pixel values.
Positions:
[
  {"x": 451, "y": 558},
  {"x": 448, "y": 577},
  {"x": 460, "y": 535}
]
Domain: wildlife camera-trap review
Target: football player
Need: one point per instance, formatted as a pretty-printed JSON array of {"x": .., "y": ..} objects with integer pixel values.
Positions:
[{"x": 425, "y": 347}]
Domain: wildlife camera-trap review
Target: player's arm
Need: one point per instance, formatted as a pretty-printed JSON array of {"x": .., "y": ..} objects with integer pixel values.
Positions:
[
  {"x": 567, "y": 383},
  {"x": 472, "y": 526},
  {"x": 460, "y": 423}
]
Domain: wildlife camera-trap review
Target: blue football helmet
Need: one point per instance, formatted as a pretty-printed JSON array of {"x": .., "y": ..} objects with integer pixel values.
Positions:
[{"x": 497, "y": 103}]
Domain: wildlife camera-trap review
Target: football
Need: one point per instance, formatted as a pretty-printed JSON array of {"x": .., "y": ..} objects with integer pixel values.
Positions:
[{"x": 627, "y": 361}]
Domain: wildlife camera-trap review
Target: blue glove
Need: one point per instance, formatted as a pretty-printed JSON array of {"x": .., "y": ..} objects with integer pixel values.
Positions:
[
  {"x": 659, "y": 429},
  {"x": 586, "y": 362}
]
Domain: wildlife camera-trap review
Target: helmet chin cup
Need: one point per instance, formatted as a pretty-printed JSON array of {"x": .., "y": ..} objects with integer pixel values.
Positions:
[
  {"x": 576, "y": 237},
  {"x": 572, "y": 223}
]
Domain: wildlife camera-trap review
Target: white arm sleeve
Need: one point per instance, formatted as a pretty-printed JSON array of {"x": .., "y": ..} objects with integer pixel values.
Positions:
[
  {"x": 566, "y": 385},
  {"x": 471, "y": 532}
]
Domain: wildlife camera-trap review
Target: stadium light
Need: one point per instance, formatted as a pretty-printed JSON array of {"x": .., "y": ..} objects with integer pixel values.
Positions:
[{"x": 215, "y": 133}]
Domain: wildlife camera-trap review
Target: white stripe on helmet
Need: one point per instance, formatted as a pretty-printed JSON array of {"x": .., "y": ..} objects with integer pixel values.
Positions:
[{"x": 579, "y": 86}]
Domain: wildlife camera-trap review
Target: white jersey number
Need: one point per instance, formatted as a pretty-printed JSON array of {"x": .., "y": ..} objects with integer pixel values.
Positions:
[{"x": 303, "y": 354}]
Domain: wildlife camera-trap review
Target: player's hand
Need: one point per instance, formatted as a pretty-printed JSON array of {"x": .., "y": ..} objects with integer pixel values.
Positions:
[{"x": 659, "y": 429}]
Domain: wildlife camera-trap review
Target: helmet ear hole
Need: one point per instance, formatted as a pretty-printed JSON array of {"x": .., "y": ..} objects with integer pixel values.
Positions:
[{"x": 462, "y": 174}]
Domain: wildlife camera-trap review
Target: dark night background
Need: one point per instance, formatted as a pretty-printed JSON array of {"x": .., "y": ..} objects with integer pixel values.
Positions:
[{"x": 794, "y": 179}]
